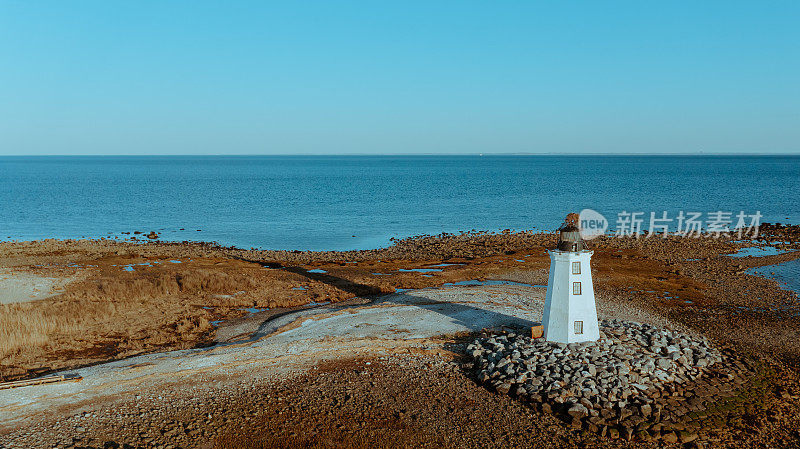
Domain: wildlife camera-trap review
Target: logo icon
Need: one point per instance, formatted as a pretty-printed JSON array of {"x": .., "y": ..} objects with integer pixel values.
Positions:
[{"x": 592, "y": 224}]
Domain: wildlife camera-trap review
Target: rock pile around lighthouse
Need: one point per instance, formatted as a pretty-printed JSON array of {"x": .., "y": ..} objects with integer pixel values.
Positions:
[{"x": 602, "y": 382}]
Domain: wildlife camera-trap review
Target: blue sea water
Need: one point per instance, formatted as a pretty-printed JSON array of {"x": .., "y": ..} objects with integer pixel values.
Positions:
[{"x": 356, "y": 202}]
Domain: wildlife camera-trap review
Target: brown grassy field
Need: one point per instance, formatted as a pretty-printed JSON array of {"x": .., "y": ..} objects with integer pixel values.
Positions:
[
  {"x": 114, "y": 313},
  {"x": 129, "y": 298},
  {"x": 134, "y": 299}
]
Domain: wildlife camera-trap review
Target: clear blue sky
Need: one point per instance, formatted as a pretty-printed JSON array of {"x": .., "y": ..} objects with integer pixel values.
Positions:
[{"x": 239, "y": 77}]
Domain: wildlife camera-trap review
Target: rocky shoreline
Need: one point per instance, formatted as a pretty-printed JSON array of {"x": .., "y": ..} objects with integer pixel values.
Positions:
[{"x": 168, "y": 293}]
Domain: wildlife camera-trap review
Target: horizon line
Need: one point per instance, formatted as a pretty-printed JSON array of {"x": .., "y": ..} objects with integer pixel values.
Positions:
[{"x": 407, "y": 154}]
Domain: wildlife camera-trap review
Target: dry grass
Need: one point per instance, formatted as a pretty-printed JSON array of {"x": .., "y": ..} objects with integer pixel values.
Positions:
[
  {"x": 52, "y": 334},
  {"x": 113, "y": 313},
  {"x": 27, "y": 326}
]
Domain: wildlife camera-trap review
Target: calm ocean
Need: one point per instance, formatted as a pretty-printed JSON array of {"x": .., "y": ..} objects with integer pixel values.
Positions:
[{"x": 355, "y": 202}]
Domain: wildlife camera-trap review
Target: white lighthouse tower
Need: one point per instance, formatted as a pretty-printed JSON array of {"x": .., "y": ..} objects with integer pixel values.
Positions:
[{"x": 570, "y": 314}]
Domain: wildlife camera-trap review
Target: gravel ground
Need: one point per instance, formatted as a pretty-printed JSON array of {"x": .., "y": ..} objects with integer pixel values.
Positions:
[
  {"x": 403, "y": 323},
  {"x": 395, "y": 401},
  {"x": 387, "y": 379},
  {"x": 398, "y": 323},
  {"x": 391, "y": 376}
]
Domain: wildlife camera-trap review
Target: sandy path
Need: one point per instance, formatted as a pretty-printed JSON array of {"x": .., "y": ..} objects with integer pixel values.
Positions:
[
  {"x": 396, "y": 324},
  {"x": 19, "y": 286}
]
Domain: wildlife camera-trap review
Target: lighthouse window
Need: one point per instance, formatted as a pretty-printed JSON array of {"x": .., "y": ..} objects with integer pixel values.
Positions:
[
  {"x": 578, "y": 327},
  {"x": 576, "y": 288},
  {"x": 576, "y": 268}
]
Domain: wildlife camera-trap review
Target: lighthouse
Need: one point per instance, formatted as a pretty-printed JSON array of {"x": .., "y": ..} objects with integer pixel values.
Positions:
[{"x": 570, "y": 314}]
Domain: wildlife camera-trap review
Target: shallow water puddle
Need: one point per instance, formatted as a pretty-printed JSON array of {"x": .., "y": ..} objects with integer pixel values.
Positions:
[
  {"x": 786, "y": 273},
  {"x": 129, "y": 267},
  {"x": 317, "y": 270},
  {"x": 252, "y": 310},
  {"x": 757, "y": 252}
]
